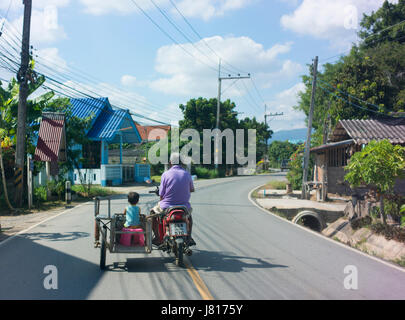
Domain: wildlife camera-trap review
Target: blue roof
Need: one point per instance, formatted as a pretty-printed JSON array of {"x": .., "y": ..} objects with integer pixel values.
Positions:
[
  {"x": 83, "y": 108},
  {"x": 108, "y": 123}
]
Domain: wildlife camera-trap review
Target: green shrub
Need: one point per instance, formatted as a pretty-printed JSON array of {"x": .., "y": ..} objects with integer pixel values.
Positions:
[
  {"x": 205, "y": 173},
  {"x": 402, "y": 213},
  {"x": 57, "y": 188},
  {"x": 95, "y": 191},
  {"x": 202, "y": 173},
  {"x": 361, "y": 222},
  {"x": 40, "y": 194},
  {"x": 294, "y": 176},
  {"x": 278, "y": 185},
  {"x": 390, "y": 232}
]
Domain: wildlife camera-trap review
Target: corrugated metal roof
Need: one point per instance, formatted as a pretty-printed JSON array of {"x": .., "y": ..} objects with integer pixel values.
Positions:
[
  {"x": 107, "y": 122},
  {"x": 107, "y": 125},
  {"x": 363, "y": 131},
  {"x": 85, "y": 107},
  {"x": 332, "y": 145},
  {"x": 50, "y": 138}
]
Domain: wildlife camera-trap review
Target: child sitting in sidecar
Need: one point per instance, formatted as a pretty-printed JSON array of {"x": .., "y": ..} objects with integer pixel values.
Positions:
[{"x": 134, "y": 222}]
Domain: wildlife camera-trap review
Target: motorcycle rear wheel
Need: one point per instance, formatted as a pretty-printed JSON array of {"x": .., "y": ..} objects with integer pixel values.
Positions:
[{"x": 179, "y": 254}]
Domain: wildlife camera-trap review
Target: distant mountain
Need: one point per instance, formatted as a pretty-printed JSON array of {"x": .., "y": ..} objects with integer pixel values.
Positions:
[{"x": 293, "y": 136}]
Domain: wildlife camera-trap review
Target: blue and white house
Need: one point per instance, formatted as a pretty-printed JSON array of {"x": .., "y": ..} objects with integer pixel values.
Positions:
[{"x": 108, "y": 126}]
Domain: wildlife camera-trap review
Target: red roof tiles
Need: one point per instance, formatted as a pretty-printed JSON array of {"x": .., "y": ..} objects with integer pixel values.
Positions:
[{"x": 51, "y": 146}]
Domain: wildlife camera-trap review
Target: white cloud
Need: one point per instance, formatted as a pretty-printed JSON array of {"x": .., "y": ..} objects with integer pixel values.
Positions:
[
  {"x": 124, "y": 7},
  {"x": 202, "y": 9},
  {"x": 207, "y": 9},
  {"x": 336, "y": 21},
  {"x": 51, "y": 57},
  {"x": 17, "y": 6},
  {"x": 284, "y": 102},
  {"x": 44, "y": 26},
  {"x": 128, "y": 80},
  {"x": 185, "y": 75}
]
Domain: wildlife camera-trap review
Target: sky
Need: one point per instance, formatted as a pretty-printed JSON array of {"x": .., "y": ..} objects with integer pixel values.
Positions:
[{"x": 141, "y": 62}]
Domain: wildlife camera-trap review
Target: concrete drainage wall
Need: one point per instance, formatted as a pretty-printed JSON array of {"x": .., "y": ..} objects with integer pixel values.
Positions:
[{"x": 310, "y": 219}]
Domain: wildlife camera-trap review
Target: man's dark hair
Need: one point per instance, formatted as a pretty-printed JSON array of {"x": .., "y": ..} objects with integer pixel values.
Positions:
[{"x": 133, "y": 197}]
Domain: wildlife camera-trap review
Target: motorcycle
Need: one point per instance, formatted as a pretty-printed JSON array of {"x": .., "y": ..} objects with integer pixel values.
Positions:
[{"x": 174, "y": 226}]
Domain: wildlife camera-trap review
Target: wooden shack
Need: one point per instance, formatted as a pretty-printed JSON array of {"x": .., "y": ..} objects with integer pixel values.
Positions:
[{"x": 351, "y": 136}]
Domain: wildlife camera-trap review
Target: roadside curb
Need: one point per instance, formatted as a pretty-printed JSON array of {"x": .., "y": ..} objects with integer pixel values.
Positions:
[{"x": 387, "y": 263}]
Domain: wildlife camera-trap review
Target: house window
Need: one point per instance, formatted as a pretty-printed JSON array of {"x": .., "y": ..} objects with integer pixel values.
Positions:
[
  {"x": 94, "y": 177},
  {"x": 75, "y": 177},
  {"x": 337, "y": 157}
]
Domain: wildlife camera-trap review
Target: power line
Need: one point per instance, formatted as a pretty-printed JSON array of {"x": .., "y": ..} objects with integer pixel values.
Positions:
[
  {"x": 169, "y": 36},
  {"x": 204, "y": 41},
  {"x": 91, "y": 79},
  {"x": 249, "y": 103},
  {"x": 351, "y": 103},
  {"x": 56, "y": 75},
  {"x": 251, "y": 97},
  {"x": 179, "y": 30},
  {"x": 257, "y": 90},
  {"x": 373, "y": 42},
  {"x": 349, "y": 95},
  {"x": 79, "y": 93}
]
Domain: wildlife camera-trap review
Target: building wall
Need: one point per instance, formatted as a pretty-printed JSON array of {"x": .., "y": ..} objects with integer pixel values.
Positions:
[
  {"x": 399, "y": 187},
  {"x": 92, "y": 176},
  {"x": 336, "y": 182}
]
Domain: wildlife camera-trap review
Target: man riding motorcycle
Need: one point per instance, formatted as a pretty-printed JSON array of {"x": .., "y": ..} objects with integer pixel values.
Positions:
[{"x": 175, "y": 187}]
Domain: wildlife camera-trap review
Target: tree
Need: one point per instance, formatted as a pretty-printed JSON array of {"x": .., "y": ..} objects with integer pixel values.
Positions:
[
  {"x": 8, "y": 122},
  {"x": 367, "y": 83},
  {"x": 384, "y": 24},
  {"x": 377, "y": 166},
  {"x": 263, "y": 134},
  {"x": 280, "y": 150},
  {"x": 201, "y": 114}
]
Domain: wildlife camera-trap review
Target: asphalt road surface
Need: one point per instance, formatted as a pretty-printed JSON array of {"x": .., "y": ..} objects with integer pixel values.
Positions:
[{"x": 242, "y": 252}]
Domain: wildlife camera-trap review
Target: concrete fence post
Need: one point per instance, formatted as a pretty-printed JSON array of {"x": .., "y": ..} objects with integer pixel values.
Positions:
[{"x": 68, "y": 192}]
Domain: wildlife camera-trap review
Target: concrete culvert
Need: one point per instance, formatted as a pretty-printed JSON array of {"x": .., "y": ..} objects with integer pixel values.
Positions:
[{"x": 310, "y": 219}]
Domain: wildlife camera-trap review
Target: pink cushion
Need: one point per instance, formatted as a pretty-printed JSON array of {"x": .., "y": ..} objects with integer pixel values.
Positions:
[{"x": 137, "y": 239}]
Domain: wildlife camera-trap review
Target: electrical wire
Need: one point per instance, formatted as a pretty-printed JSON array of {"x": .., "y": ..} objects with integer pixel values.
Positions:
[
  {"x": 170, "y": 37},
  {"x": 372, "y": 43},
  {"x": 204, "y": 41},
  {"x": 47, "y": 67},
  {"x": 349, "y": 95},
  {"x": 75, "y": 93},
  {"x": 353, "y": 104}
]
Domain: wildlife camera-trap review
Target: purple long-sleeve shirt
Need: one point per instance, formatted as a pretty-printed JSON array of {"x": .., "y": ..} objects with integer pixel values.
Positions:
[{"x": 175, "y": 186}]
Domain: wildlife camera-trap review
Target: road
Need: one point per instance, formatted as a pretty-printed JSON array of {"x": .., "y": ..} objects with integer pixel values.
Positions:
[{"x": 242, "y": 253}]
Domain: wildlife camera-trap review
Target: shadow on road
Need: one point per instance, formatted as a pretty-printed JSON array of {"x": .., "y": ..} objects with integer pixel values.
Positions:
[
  {"x": 66, "y": 236},
  {"x": 220, "y": 261},
  {"x": 23, "y": 275},
  {"x": 145, "y": 264}
]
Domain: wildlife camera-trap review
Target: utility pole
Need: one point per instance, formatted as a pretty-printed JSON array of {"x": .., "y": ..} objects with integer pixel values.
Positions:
[
  {"x": 308, "y": 142},
  {"x": 266, "y": 156},
  {"x": 22, "y": 104},
  {"x": 229, "y": 77}
]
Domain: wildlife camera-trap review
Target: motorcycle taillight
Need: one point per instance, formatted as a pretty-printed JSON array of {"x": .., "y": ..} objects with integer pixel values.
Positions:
[{"x": 177, "y": 216}]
